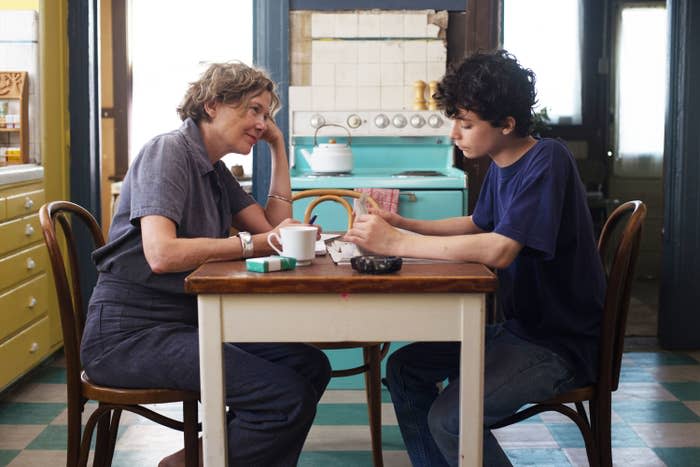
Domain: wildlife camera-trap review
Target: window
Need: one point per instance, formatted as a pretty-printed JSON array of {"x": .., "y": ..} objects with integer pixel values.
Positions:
[
  {"x": 545, "y": 36},
  {"x": 171, "y": 43},
  {"x": 640, "y": 90}
]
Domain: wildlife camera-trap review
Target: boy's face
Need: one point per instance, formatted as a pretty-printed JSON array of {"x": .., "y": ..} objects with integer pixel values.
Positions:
[{"x": 474, "y": 136}]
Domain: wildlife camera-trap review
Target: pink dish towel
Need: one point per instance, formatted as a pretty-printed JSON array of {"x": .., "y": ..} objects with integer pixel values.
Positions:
[{"x": 386, "y": 198}]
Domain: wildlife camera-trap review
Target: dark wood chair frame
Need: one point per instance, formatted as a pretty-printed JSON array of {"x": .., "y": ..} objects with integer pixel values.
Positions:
[
  {"x": 111, "y": 400},
  {"x": 372, "y": 352},
  {"x": 618, "y": 247}
]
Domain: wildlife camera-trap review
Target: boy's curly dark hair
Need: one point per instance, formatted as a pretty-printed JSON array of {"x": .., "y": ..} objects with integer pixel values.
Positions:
[{"x": 494, "y": 86}]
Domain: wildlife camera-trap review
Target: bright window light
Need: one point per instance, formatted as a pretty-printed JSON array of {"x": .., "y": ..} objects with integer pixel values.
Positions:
[
  {"x": 171, "y": 42},
  {"x": 545, "y": 36},
  {"x": 641, "y": 91}
]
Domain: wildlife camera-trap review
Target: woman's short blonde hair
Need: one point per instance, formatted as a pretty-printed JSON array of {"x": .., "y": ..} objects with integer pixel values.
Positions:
[{"x": 231, "y": 83}]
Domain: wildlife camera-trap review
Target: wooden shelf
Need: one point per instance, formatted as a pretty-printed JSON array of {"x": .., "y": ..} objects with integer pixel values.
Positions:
[{"x": 10, "y": 130}]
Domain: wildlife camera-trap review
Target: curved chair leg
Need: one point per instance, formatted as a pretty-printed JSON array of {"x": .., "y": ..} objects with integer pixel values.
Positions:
[
  {"x": 189, "y": 419},
  {"x": 373, "y": 387},
  {"x": 602, "y": 433},
  {"x": 74, "y": 428},
  {"x": 113, "y": 431},
  {"x": 102, "y": 443}
]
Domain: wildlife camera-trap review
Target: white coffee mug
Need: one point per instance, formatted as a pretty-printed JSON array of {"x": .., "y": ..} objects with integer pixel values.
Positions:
[{"x": 298, "y": 241}]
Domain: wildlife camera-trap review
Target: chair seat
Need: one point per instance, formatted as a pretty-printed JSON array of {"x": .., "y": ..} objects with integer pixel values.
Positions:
[
  {"x": 129, "y": 396},
  {"x": 575, "y": 395}
]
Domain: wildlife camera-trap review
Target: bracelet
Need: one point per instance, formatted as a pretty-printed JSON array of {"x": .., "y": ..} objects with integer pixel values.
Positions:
[{"x": 280, "y": 197}]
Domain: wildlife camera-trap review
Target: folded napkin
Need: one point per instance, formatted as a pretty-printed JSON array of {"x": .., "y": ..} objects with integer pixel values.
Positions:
[{"x": 386, "y": 198}]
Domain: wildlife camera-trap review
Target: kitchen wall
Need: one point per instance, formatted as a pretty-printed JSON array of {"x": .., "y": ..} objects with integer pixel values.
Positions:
[
  {"x": 362, "y": 60},
  {"x": 19, "y": 51}
]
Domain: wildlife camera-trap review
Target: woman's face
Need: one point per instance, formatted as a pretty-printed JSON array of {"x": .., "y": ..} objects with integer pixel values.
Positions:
[{"x": 238, "y": 127}]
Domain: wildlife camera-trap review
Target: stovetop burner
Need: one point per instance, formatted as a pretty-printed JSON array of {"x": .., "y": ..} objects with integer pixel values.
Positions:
[{"x": 419, "y": 173}]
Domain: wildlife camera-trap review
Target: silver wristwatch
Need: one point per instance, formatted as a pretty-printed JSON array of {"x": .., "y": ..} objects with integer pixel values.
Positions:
[{"x": 246, "y": 244}]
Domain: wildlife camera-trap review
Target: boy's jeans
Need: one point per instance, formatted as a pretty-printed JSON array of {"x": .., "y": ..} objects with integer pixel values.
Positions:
[{"x": 516, "y": 372}]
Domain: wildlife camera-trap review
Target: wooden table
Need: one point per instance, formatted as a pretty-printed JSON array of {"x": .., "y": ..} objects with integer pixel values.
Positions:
[{"x": 328, "y": 303}]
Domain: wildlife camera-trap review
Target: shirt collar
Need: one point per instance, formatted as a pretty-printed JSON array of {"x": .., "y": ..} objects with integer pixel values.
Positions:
[{"x": 193, "y": 138}]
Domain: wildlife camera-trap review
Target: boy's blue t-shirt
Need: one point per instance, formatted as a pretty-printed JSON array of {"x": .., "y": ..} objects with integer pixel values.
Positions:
[{"x": 553, "y": 292}]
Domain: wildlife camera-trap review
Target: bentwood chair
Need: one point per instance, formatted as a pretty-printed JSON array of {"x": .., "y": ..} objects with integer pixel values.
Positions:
[
  {"x": 618, "y": 247},
  {"x": 373, "y": 352},
  {"x": 111, "y": 400}
]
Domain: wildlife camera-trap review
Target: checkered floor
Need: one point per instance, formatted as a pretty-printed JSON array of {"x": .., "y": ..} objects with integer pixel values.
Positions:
[{"x": 656, "y": 421}]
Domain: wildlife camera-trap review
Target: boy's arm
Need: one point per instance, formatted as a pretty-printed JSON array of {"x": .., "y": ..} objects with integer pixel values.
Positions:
[{"x": 450, "y": 226}]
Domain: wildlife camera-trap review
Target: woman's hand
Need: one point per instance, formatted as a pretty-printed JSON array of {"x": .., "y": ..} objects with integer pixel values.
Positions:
[
  {"x": 272, "y": 134},
  {"x": 373, "y": 233}
]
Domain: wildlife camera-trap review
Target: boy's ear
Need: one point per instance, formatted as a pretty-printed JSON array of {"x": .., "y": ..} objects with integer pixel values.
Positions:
[{"x": 508, "y": 126}]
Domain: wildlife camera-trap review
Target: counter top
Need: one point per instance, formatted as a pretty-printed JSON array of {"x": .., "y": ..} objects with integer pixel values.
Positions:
[{"x": 20, "y": 173}]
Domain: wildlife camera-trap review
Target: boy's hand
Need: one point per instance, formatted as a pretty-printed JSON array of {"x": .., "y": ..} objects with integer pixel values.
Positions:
[
  {"x": 372, "y": 233},
  {"x": 391, "y": 217}
]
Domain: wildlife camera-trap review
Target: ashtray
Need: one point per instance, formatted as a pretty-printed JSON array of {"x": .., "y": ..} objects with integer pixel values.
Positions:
[{"x": 370, "y": 264}]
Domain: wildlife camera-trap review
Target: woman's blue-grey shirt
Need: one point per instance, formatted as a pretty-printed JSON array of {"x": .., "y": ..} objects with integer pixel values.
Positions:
[{"x": 171, "y": 177}]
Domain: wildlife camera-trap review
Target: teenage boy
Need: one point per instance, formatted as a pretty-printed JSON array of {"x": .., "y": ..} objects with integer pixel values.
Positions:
[{"x": 531, "y": 223}]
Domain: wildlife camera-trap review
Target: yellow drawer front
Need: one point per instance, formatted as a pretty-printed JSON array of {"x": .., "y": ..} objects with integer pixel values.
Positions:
[
  {"x": 3, "y": 208},
  {"x": 23, "y": 351},
  {"x": 22, "y": 305},
  {"x": 20, "y": 232},
  {"x": 23, "y": 265},
  {"x": 24, "y": 203}
]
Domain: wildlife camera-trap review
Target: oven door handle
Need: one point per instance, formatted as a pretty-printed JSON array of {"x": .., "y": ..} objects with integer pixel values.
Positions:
[{"x": 412, "y": 198}]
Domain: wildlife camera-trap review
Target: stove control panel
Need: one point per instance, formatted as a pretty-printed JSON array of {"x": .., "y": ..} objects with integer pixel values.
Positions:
[{"x": 370, "y": 123}]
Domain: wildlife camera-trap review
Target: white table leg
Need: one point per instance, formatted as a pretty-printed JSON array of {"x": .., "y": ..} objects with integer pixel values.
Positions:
[
  {"x": 211, "y": 371},
  {"x": 471, "y": 386}
]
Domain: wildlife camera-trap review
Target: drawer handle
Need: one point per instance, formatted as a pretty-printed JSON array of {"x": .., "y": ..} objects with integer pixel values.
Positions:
[
  {"x": 29, "y": 230},
  {"x": 28, "y": 203},
  {"x": 34, "y": 347},
  {"x": 31, "y": 264},
  {"x": 412, "y": 198},
  {"x": 32, "y": 302}
]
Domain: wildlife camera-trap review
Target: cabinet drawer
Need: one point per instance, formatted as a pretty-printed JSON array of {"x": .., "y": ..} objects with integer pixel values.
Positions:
[
  {"x": 20, "y": 232},
  {"x": 3, "y": 209},
  {"x": 24, "y": 203},
  {"x": 23, "y": 304},
  {"x": 23, "y": 351},
  {"x": 23, "y": 265}
]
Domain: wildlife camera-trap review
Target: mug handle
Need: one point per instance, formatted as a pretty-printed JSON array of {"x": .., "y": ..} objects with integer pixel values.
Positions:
[{"x": 269, "y": 242}]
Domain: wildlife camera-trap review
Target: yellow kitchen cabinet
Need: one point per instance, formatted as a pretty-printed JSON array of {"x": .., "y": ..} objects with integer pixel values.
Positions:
[{"x": 29, "y": 322}]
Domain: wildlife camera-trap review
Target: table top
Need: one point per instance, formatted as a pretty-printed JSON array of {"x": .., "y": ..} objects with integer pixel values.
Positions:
[{"x": 323, "y": 276}]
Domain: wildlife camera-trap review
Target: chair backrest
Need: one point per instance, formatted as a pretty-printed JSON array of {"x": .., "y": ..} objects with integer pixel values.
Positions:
[
  {"x": 618, "y": 247},
  {"x": 67, "y": 276},
  {"x": 336, "y": 195}
]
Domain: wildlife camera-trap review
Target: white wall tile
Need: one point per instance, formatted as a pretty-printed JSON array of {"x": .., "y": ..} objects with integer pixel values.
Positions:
[
  {"x": 435, "y": 71},
  {"x": 436, "y": 51},
  {"x": 368, "y": 24},
  {"x": 414, "y": 72},
  {"x": 19, "y": 25},
  {"x": 368, "y": 74},
  {"x": 300, "y": 97},
  {"x": 346, "y": 74},
  {"x": 415, "y": 24},
  {"x": 368, "y": 52},
  {"x": 391, "y": 51},
  {"x": 392, "y": 97},
  {"x": 414, "y": 52},
  {"x": 322, "y": 24},
  {"x": 391, "y": 24},
  {"x": 323, "y": 98},
  {"x": 323, "y": 52},
  {"x": 431, "y": 30},
  {"x": 345, "y": 25},
  {"x": 391, "y": 74},
  {"x": 345, "y": 51},
  {"x": 346, "y": 97},
  {"x": 322, "y": 74},
  {"x": 368, "y": 98}
]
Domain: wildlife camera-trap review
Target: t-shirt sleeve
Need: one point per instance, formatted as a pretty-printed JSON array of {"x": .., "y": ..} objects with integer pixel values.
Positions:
[
  {"x": 159, "y": 179},
  {"x": 534, "y": 214}
]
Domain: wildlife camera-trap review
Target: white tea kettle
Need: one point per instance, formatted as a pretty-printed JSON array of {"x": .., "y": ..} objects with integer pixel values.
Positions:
[{"x": 330, "y": 157}]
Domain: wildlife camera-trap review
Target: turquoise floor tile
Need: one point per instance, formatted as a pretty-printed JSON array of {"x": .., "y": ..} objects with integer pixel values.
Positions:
[
  {"x": 29, "y": 413},
  {"x": 341, "y": 414},
  {"x": 567, "y": 435},
  {"x": 538, "y": 457},
  {"x": 391, "y": 439},
  {"x": 6, "y": 456},
  {"x": 328, "y": 458},
  {"x": 49, "y": 374},
  {"x": 689, "y": 391},
  {"x": 679, "y": 457},
  {"x": 635, "y": 375},
  {"x": 638, "y": 411},
  {"x": 647, "y": 359},
  {"x": 55, "y": 437}
]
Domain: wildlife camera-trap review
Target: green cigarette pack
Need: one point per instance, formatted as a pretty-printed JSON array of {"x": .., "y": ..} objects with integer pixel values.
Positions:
[{"x": 270, "y": 263}]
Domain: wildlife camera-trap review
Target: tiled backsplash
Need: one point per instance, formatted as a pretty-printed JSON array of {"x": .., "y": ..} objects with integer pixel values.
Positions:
[
  {"x": 19, "y": 51},
  {"x": 363, "y": 60}
]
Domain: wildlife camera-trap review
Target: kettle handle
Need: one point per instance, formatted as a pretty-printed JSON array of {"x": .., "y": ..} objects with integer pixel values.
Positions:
[{"x": 333, "y": 124}]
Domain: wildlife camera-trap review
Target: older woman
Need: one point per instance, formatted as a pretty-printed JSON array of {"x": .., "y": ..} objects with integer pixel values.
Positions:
[{"x": 177, "y": 205}]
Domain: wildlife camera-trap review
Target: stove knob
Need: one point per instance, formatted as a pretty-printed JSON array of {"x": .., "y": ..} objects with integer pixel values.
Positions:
[
  {"x": 399, "y": 121},
  {"x": 381, "y": 121},
  {"x": 435, "y": 121},
  {"x": 417, "y": 121},
  {"x": 354, "y": 121},
  {"x": 317, "y": 121}
]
